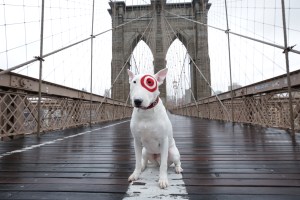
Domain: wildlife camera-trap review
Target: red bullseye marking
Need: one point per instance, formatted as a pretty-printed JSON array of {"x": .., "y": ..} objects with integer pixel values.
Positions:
[{"x": 149, "y": 83}]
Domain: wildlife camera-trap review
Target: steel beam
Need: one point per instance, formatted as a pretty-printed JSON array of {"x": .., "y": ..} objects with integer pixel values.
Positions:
[
  {"x": 266, "y": 86},
  {"x": 27, "y": 84}
]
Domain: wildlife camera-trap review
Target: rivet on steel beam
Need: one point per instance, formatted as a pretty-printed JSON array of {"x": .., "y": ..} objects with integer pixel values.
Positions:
[{"x": 22, "y": 82}]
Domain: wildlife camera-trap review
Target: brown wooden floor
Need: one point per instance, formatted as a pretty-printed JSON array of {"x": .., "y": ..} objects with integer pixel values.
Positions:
[{"x": 220, "y": 161}]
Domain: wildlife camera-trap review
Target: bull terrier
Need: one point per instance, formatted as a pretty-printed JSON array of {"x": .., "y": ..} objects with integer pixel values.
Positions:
[{"x": 151, "y": 127}]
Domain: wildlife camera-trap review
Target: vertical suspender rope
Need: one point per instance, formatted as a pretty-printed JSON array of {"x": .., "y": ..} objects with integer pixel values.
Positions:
[
  {"x": 40, "y": 70},
  {"x": 229, "y": 59},
  {"x": 236, "y": 34},
  {"x": 69, "y": 46},
  {"x": 112, "y": 85},
  {"x": 197, "y": 68},
  {"x": 286, "y": 51},
  {"x": 92, "y": 49}
]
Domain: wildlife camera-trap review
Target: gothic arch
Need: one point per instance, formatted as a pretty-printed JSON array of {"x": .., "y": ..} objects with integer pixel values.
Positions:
[
  {"x": 192, "y": 35},
  {"x": 134, "y": 42},
  {"x": 183, "y": 39}
]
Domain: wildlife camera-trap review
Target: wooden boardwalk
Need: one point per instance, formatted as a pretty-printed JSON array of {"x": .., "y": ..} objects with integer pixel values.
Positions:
[{"x": 220, "y": 161}]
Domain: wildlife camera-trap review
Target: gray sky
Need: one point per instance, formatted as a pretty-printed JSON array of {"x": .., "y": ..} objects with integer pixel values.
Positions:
[{"x": 69, "y": 21}]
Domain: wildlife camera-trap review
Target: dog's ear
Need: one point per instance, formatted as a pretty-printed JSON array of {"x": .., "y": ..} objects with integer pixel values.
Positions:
[
  {"x": 161, "y": 75},
  {"x": 130, "y": 74}
]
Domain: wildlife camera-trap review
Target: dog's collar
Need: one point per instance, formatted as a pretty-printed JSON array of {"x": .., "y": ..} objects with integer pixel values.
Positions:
[{"x": 152, "y": 105}]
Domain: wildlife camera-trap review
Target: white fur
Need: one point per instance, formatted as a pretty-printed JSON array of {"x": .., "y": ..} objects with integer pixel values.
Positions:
[{"x": 152, "y": 131}]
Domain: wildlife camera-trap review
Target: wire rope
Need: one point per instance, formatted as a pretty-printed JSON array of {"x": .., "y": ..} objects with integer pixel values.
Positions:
[{"x": 205, "y": 79}]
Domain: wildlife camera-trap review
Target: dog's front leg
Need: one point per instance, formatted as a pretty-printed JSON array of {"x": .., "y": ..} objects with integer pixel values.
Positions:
[
  {"x": 163, "y": 179},
  {"x": 138, "y": 159}
]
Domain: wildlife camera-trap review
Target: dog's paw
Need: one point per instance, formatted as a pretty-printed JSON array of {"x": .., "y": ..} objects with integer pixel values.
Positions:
[
  {"x": 178, "y": 169},
  {"x": 163, "y": 183},
  {"x": 133, "y": 177},
  {"x": 144, "y": 167}
]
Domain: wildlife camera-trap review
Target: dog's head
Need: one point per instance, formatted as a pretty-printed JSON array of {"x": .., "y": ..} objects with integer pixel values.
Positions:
[{"x": 144, "y": 87}]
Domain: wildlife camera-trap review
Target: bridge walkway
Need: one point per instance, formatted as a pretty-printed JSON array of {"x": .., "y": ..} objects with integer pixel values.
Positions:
[{"x": 221, "y": 160}]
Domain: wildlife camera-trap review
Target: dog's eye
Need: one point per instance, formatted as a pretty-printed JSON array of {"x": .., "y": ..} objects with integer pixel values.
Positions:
[
  {"x": 150, "y": 82},
  {"x": 134, "y": 81}
]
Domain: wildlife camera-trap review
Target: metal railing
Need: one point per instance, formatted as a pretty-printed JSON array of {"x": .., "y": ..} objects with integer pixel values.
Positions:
[
  {"x": 274, "y": 102},
  {"x": 264, "y": 103},
  {"x": 29, "y": 105},
  {"x": 272, "y": 108},
  {"x": 60, "y": 107}
]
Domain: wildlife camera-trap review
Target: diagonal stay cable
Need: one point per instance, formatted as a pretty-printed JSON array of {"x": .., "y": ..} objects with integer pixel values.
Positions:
[
  {"x": 147, "y": 42},
  {"x": 233, "y": 33},
  {"x": 170, "y": 40},
  {"x": 135, "y": 64},
  {"x": 36, "y": 58},
  {"x": 190, "y": 88},
  {"x": 182, "y": 68},
  {"x": 112, "y": 85},
  {"x": 201, "y": 73}
]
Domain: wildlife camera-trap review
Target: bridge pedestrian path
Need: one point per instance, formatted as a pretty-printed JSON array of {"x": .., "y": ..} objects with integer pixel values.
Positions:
[{"x": 221, "y": 160}]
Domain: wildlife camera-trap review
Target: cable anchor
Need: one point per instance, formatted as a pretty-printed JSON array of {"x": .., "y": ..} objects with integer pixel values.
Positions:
[
  {"x": 288, "y": 49},
  {"x": 39, "y": 58}
]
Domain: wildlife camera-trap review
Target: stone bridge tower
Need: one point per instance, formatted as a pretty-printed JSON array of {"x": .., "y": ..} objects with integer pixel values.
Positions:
[{"x": 192, "y": 35}]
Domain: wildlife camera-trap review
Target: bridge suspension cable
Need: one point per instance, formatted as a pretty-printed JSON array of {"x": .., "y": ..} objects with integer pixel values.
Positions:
[
  {"x": 290, "y": 49},
  {"x": 249, "y": 21},
  {"x": 252, "y": 23},
  {"x": 144, "y": 55},
  {"x": 182, "y": 71},
  {"x": 69, "y": 46},
  {"x": 200, "y": 72},
  {"x": 123, "y": 67}
]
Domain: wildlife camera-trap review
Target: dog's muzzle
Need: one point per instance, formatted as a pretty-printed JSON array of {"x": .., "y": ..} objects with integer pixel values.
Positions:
[{"x": 137, "y": 102}]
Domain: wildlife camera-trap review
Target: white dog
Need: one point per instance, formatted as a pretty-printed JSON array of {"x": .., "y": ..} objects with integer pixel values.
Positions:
[{"x": 151, "y": 127}]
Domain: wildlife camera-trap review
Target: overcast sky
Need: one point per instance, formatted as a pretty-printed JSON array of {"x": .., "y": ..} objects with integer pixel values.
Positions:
[{"x": 67, "y": 22}]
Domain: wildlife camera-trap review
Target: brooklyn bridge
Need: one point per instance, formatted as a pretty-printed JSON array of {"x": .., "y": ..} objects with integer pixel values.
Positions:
[{"x": 232, "y": 94}]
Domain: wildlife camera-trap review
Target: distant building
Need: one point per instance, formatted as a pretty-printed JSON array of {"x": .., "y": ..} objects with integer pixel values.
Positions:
[
  {"x": 107, "y": 93},
  {"x": 188, "y": 96},
  {"x": 234, "y": 86},
  {"x": 218, "y": 92}
]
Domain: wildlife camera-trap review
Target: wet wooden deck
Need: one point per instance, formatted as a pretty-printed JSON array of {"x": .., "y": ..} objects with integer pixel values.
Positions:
[{"x": 220, "y": 161}]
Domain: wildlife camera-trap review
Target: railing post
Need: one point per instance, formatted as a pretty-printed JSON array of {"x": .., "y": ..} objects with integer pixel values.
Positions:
[
  {"x": 229, "y": 57},
  {"x": 113, "y": 110},
  {"x": 286, "y": 51},
  {"x": 40, "y": 58}
]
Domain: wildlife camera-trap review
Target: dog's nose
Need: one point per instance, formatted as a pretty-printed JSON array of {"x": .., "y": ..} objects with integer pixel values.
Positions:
[{"x": 138, "y": 102}]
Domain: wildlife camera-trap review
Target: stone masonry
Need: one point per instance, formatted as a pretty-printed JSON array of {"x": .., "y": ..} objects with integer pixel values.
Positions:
[{"x": 192, "y": 35}]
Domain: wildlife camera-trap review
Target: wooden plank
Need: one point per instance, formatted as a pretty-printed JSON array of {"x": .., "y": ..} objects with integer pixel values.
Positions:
[
  {"x": 235, "y": 190},
  {"x": 58, "y": 187},
  {"x": 64, "y": 170},
  {"x": 220, "y": 161},
  {"x": 59, "y": 195},
  {"x": 83, "y": 180},
  {"x": 226, "y": 161},
  {"x": 244, "y": 197},
  {"x": 23, "y": 174}
]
